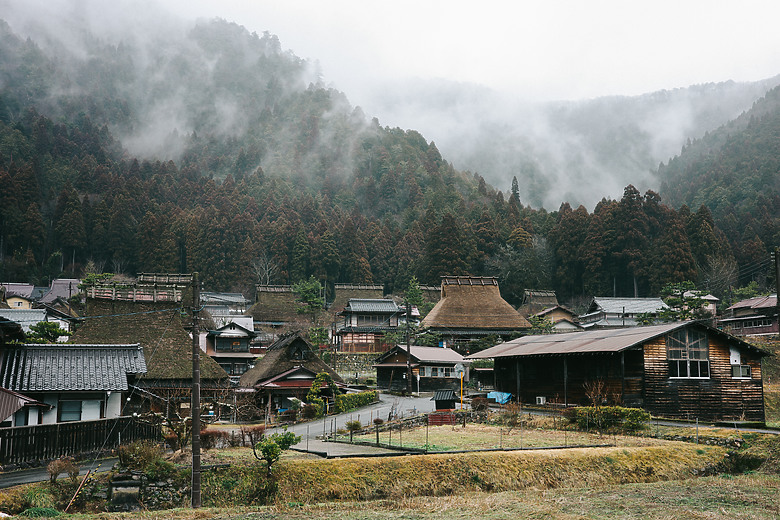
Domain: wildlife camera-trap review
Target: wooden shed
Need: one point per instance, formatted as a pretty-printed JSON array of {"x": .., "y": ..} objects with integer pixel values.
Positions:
[{"x": 682, "y": 370}]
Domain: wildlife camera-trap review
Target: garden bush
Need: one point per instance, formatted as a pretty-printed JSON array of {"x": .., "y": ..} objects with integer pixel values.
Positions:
[
  {"x": 347, "y": 402},
  {"x": 62, "y": 465},
  {"x": 211, "y": 437},
  {"x": 609, "y": 417}
]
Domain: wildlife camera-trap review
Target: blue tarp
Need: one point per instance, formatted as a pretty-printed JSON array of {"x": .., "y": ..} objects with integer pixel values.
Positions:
[{"x": 499, "y": 397}]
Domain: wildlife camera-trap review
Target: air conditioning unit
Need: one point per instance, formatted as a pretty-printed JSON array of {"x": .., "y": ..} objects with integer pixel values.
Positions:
[{"x": 540, "y": 399}]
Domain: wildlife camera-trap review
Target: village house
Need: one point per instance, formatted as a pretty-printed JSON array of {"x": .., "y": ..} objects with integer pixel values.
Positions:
[
  {"x": 605, "y": 312},
  {"x": 75, "y": 382},
  {"x": 471, "y": 308},
  {"x": 15, "y": 408},
  {"x": 286, "y": 371},
  {"x": 535, "y": 300},
  {"x": 230, "y": 346},
  {"x": 679, "y": 370},
  {"x": 364, "y": 324},
  {"x": 18, "y": 295},
  {"x": 561, "y": 318},
  {"x": 752, "y": 317},
  {"x": 433, "y": 368},
  {"x": 149, "y": 312}
]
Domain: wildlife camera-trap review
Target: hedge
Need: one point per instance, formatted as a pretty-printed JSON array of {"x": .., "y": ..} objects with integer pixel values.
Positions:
[
  {"x": 346, "y": 402},
  {"x": 607, "y": 417}
]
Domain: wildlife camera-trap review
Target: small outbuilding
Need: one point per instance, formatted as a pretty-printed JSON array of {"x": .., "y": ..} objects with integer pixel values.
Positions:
[{"x": 433, "y": 368}]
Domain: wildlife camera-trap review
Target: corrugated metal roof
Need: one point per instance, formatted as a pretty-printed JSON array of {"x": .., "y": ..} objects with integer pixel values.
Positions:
[
  {"x": 44, "y": 368},
  {"x": 577, "y": 342},
  {"x": 602, "y": 340},
  {"x": 377, "y": 306},
  {"x": 429, "y": 354}
]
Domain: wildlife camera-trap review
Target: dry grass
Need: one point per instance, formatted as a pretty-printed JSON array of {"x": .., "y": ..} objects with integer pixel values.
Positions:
[
  {"x": 534, "y": 434},
  {"x": 747, "y": 497},
  {"x": 448, "y": 474}
]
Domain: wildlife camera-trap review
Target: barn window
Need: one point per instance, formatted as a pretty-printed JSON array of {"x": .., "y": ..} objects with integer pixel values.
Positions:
[
  {"x": 738, "y": 369},
  {"x": 688, "y": 354}
]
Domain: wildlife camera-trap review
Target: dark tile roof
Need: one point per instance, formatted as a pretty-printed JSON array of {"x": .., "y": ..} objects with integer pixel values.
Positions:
[
  {"x": 379, "y": 306},
  {"x": 66, "y": 367}
]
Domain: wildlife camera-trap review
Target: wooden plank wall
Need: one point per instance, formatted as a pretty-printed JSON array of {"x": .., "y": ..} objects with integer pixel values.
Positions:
[
  {"x": 49, "y": 441},
  {"x": 718, "y": 397}
]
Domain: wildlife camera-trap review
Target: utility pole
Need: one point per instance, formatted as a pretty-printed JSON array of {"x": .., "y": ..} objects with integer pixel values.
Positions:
[
  {"x": 408, "y": 349},
  {"x": 777, "y": 284},
  {"x": 195, "y": 408}
]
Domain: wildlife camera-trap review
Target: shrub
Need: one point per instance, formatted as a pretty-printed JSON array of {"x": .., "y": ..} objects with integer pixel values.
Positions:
[
  {"x": 147, "y": 457},
  {"x": 607, "y": 417},
  {"x": 346, "y": 402},
  {"x": 314, "y": 408},
  {"x": 172, "y": 440},
  {"x": 479, "y": 404},
  {"x": 210, "y": 438},
  {"x": 62, "y": 465},
  {"x": 252, "y": 433}
]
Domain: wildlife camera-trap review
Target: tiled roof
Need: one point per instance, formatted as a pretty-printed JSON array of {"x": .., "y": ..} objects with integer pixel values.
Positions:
[
  {"x": 61, "y": 288},
  {"x": 24, "y": 317},
  {"x": 64, "y": 367},
  {"x": 372, "y": 305},
  {"x": 18, "y": 289},
  {"x": 627, "y": 305},
  {"x": 760, "y": 302}
]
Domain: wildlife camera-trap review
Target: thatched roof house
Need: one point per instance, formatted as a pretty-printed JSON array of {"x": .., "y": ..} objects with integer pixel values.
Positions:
[
  {"x": 286, "y": 371},
  {"x": 289, "y": 351},
  {"x": 159, "y": 329},
  {"x": 471, "y": 308}
]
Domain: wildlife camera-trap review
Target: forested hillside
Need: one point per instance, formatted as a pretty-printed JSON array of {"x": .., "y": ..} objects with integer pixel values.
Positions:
[
  {"x": 219, "y": 152},
  {"x": 735, "y": 172}
]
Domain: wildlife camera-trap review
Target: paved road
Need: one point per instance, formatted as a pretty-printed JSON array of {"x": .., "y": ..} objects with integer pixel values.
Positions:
[
  {"x": 28, "y": 476},
  {"x": 389, "y": 406}
]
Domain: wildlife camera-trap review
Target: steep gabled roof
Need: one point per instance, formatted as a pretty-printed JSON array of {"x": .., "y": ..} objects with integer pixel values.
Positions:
[
  {"x": 65, "y": 367},
  {"x": 594, "y": 341},
  {"x": 157, "y": 327},
  {"x": 469, "y": 302},
  {"x": 288, "y": 352},
  {"x": 61, "y": 288}
]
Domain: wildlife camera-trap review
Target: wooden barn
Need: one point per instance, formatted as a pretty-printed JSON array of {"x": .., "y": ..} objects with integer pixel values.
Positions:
[{"x": 682, "y": 370}]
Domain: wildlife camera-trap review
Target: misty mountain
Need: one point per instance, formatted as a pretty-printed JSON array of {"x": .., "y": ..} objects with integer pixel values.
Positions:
[
  {"x": 734, "y": 171},
  {"x": 575, "y": 151}
]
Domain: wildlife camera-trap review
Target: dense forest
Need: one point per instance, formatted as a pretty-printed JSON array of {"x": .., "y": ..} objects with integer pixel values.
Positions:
[{"x": 223, "y": 154}]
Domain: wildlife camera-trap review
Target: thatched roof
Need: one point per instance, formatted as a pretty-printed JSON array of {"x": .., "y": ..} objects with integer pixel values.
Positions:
[
  {"x": 470, "y": 302},
  {"x": 288, "y": 352},
  {"x": 157, "y": 327},
  {"x": 275, "y": 304}
]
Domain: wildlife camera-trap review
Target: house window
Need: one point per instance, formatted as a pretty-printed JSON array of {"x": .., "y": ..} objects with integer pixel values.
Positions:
[
  {"x": 434, "y": 371},
  {"x": 447, "y": 371},
  {"x": 688, "y": 354},
  {"x": 738, "y": 370},
  {"x": 70, "y": 411}
]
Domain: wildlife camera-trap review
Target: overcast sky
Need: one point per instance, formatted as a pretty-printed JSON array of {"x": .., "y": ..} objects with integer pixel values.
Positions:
[{"x": 542, "y": 50}]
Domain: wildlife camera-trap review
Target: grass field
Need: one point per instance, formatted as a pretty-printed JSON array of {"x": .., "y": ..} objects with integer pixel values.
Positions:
[{"x": 752, "y": 496}]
